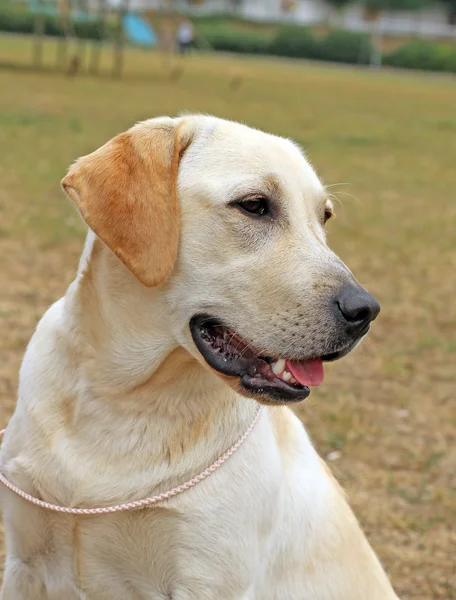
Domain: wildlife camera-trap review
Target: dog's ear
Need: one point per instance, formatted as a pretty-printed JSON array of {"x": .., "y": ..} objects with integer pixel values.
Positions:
[{"x": 126, "y": 193}]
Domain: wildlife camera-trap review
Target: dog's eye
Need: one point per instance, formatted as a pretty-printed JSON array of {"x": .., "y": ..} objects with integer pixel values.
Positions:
[
  {"x": 257, "y": 206},
  {"x": 328, "y": 214}
]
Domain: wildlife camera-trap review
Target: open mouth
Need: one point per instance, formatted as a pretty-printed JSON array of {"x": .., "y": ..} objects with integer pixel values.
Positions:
[{"x": 275, "y": 378}]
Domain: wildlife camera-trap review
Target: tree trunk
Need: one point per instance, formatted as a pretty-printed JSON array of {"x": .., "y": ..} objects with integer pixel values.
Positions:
[
  {"x": 120, "y": 41},
  {"x": 372, "y": 16},
  {"x": 376, "y": 36},
  {"x": 39, "y": 34},
  {"x": 97, "y": 44},
  {"x": 337, "y": 17}
]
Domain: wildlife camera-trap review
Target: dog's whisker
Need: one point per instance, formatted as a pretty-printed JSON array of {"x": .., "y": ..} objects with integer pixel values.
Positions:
[
  {"x": 334, "y": 185},
  {"x": 336, "y": 199},
  {"x": 350, "y": 196}
]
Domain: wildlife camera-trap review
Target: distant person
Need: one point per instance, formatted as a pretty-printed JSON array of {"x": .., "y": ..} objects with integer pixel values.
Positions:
[{"x": 185, "y": 36}]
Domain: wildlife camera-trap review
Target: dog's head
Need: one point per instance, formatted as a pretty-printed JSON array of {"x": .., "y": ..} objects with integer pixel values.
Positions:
[{"x": 230, "y": 222}]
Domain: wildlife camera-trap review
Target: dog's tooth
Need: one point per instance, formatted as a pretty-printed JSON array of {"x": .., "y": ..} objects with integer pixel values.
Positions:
[
  {"x": 293, "y": 380},
  {"x": 286, "y": 376},
  {"x": 278, "y": 367}
]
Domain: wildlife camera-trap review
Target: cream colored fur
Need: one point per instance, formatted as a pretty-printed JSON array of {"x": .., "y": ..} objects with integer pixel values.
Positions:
[{"x": 116, "y": 403}]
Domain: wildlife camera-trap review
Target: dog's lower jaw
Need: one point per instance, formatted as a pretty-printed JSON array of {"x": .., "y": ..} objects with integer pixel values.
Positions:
[{"x": 269, "y": 396}]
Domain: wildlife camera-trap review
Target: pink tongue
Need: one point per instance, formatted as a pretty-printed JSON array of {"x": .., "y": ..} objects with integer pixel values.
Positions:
[{"x": 306, "y": 372}]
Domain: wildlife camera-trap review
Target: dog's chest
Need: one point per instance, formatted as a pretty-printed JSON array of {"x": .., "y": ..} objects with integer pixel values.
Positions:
[{"x": 209, "y": 552}]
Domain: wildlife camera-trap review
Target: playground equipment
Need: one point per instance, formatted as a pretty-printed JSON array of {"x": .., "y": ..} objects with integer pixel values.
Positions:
[
  {"x": 86, "y": 29},
  {"x": 73, "y": 18},
  {"x": 138, "y": 31}
]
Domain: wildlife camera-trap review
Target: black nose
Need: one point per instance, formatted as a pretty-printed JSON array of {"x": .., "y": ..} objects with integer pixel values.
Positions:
[{"x": 357, "y": 307}]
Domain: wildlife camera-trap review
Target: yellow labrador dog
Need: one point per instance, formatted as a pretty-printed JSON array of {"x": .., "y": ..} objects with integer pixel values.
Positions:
[{"x": 205, "y": 289}]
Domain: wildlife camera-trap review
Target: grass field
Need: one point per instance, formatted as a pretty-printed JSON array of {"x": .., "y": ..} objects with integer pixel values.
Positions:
[{"x": 386, "y": 413}]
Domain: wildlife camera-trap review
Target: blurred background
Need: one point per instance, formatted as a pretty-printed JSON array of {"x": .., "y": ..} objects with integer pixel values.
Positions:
[{"x": 368, "y": 89}]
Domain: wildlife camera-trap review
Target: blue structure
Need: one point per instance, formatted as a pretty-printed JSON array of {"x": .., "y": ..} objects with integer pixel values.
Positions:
[{"x": 138, "y": 31}]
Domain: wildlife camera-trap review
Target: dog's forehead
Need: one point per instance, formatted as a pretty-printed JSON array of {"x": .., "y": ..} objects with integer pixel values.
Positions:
[{"x": 236, "y": 156}]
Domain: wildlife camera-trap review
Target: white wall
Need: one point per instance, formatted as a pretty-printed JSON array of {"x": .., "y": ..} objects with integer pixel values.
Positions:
[{"x": 426, "y": 22}]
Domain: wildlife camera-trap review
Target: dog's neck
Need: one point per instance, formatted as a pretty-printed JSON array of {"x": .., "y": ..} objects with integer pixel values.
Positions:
[{"x": 134, "y": 378}]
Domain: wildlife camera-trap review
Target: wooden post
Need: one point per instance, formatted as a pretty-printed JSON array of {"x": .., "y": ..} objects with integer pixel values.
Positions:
[
  {"x": 120, "y": 41},
  {"x": 62, "y": 50},
  {"x": 74, "y": 63},
  {"x": 38, "y": 34},
  {"x": 97, "y": 44},
  {"x": 82, "y": 14},
  {"x": 372, "y": 16}
]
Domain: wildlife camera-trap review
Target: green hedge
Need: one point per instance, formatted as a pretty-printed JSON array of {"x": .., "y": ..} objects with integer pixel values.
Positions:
[
  {"x": 223, "y": 38},
  {"x": 345, "y": 47},
  {"x": 293, "y": 41},
  {"x": 23, "y": 22},
  {"x": 297, "y": 42},
  {"x": 337, "y": 46},
  {"x": 423, "y": 55}
]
